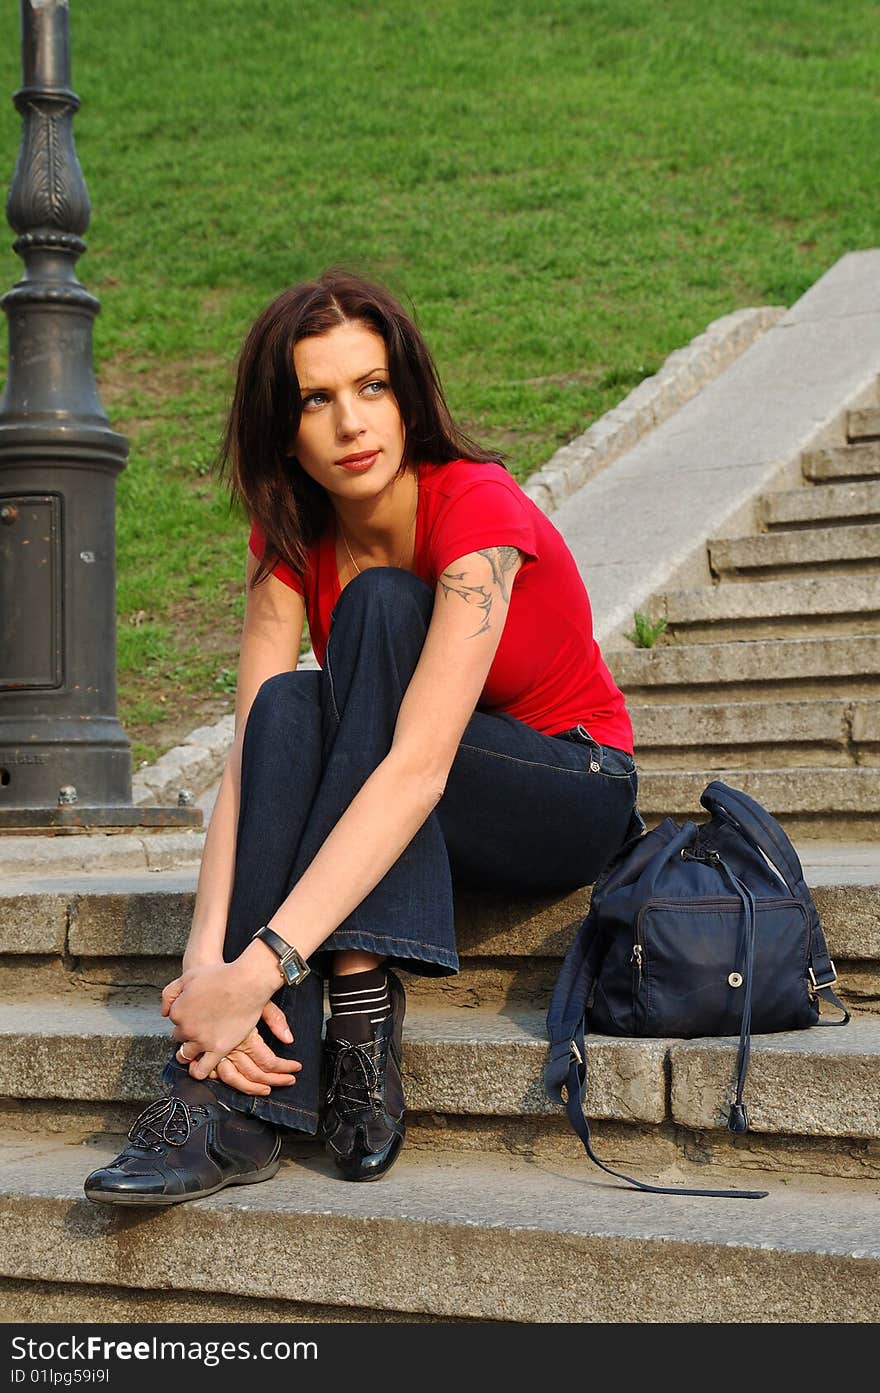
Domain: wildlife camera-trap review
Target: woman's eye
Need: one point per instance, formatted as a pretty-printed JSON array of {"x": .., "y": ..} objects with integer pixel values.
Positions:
[
  {"x": 375, "y": 389},
  {"x": 313, "y": 399}
]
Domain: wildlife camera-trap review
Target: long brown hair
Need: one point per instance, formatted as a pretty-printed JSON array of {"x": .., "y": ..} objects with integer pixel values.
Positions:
[{"x": 255, "y": 453}]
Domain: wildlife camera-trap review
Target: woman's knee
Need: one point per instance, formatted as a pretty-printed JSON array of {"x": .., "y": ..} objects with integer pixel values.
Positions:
[
  {"x": 284, "y": 700},
  {"x": 387, "y": 591}
]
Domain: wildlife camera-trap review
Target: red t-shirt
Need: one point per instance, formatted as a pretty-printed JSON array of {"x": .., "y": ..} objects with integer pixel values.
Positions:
[{"x": 548, "y": 670}]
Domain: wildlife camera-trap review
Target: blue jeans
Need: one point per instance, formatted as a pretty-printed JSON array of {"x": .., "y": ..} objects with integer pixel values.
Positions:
[{"x": 521, "y": 812}]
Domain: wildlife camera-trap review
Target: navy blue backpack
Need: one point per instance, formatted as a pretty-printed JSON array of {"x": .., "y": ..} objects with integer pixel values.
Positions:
[{"x": 693, "y": 930}]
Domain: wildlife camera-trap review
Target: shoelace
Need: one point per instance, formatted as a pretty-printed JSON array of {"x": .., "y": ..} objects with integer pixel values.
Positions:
[
  {"x": 357, "y": 1077},
  {"x": 166, "y": 1122}
]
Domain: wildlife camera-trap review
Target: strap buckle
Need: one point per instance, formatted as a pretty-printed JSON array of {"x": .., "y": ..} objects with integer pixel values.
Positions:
[
  {"x": 816, "y": 986},
  {"x": 574, "y": 1057}
]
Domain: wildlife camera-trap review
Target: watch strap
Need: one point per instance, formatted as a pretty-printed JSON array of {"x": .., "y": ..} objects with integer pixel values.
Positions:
[{"x": 292, "y": 965}]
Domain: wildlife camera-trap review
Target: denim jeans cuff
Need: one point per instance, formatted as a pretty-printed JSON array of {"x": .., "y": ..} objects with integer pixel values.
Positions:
[
  {"x": 424, "y": 959},
  {"x": 272, "y": 1109}
]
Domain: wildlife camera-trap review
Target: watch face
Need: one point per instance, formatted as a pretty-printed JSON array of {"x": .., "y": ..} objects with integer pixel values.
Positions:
[{"x": 294, "y": 970}]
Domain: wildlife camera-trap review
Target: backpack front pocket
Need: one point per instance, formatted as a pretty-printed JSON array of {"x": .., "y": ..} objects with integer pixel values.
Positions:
[{"x": 692, "y": 967}]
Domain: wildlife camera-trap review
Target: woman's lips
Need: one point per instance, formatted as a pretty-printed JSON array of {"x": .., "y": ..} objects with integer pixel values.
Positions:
[{"x": 357, "y": 464}]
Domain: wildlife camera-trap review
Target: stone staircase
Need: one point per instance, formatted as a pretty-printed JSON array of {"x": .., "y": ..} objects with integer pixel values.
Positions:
[
  {"x": 770, "y": 680},
  {"x": 770, "y": 677},
  {"x": 492, "y": 1212}
]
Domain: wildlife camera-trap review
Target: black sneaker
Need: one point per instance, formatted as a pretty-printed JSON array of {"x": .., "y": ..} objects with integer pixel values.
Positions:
[
  {"x": 364, "y": 1105},
  {"x": 184, "y": 1146}
]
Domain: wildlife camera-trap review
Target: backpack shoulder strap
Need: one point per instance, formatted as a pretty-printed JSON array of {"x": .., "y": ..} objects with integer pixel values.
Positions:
[
  {"x": 575, "y": 1086},
  {"x": 568, "y": 1005}
]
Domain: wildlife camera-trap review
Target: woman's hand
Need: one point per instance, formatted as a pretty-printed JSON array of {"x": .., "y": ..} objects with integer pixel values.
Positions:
[
  {"x": 215, "y": 1008},
  {"x": 253, "y": 1067}
]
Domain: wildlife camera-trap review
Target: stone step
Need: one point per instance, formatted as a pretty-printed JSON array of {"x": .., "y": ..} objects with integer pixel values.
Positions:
[
  {"x": 491, "y": 1237},
  {"x": 830, "y": 550},
  {"x": 29, "y": 1302},
  {"x": 135, "y": 919},
  {"x": 637, "y": 1147},
  {"x": 751, "y": 670},
  {"x": 463, "y": 1062},
  {"x": 783, "y": 608},
  {"x": 758, "y": 734},
  {"x": 787, "y": 1073},
  {"x": 492, "y": 982},
  {"x": 843, "y": 462},
  {"x": 836, "y": 803},
  {"x": 487, "y": 1063},
  {"x": 864, "y": 424},
  {"x": 92, "y": 851},
  {"x": 833, "y": 503}
]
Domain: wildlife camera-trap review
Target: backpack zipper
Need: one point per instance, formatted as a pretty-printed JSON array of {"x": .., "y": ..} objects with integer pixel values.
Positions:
[{"x": 636, "y": 961}]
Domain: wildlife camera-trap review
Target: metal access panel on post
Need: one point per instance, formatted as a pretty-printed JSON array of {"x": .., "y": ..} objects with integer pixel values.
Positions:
[{"x": 30, "y": 592}]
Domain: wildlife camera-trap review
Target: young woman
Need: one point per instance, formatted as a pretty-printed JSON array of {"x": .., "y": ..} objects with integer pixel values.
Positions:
[{"x": 463, "y": 728}]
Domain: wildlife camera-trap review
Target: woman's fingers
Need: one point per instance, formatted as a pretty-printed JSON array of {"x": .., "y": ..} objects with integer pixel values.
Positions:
[
  {"x": 273, "y": 1078},
  {"x": 228, "y": 1072},
  {"x": 255, "y": 1061},
  {"x": 201, "y": 1068},
  {"x": 246, "y": 1066},
  {"x": 277, "y": 1022},
  {"x": 252, "y": 1067},
  {"x": 265, "y": 1058},
  {"x": 170, "y": 993}
]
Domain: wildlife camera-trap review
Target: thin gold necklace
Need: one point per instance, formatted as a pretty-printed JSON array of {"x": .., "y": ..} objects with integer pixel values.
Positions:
[{"x": 405, "y": 545}]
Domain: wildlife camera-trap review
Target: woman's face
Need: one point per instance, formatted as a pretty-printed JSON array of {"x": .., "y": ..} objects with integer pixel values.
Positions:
[{"x": 351, "y": 437}]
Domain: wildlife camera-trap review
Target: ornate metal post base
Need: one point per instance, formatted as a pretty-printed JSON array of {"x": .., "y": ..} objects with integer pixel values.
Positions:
[{"x": 65, "y": 761}]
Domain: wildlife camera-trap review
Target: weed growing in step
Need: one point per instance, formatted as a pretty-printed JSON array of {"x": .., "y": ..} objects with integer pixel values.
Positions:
[{"x": 645, "y": 631}]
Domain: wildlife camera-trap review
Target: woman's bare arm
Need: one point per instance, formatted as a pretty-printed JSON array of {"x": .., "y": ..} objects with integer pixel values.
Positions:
[{"x": 271, "y": 635}]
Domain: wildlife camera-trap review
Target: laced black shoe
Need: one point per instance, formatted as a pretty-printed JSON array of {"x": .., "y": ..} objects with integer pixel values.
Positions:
[
  {"x": 184, "y": 1146},
  {"x": 364, "y": 1105}
]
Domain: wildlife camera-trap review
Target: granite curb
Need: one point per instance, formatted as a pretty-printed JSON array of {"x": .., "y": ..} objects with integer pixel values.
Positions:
[{"x": 683, "y": 374}]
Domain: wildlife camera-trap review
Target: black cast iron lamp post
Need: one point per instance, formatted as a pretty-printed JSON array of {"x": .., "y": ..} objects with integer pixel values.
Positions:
[{"x": 65, "y": 761}]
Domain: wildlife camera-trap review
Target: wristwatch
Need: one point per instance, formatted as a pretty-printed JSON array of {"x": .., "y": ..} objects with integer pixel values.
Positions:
[{"x": 291, "y": 963}]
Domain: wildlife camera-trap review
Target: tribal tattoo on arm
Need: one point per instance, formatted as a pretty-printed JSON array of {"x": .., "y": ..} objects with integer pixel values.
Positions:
[{"x": 502, "y": 560}]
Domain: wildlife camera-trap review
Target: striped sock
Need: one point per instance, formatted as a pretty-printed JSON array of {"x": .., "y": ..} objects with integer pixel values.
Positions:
[{"x": 358, "y": 1002}]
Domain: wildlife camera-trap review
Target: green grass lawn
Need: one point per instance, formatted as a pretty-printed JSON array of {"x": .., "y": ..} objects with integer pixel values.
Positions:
[{"x": 564, "y": 190}]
